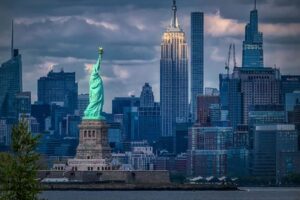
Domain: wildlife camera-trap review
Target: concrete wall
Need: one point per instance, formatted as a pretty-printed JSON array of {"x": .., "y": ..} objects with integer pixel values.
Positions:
[{"x": 142, "y": 177}]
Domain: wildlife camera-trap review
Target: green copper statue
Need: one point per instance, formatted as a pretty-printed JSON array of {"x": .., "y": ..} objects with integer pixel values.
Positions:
[{"x": 96, "y": 96}]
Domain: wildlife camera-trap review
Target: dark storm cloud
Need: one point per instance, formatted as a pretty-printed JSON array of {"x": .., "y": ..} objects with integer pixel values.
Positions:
[{"x": 56, "y": 34}]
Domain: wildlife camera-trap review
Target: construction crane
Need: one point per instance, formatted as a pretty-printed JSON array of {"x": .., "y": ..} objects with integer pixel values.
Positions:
[
  {"x": 227, "y": 63},
  {"x": 234, "y": 60}
]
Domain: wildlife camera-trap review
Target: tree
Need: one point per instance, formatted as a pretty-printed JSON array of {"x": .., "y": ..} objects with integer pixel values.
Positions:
[{"x": 18, "y": 169}]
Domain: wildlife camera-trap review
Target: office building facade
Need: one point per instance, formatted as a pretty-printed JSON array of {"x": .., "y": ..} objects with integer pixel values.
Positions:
[
  {"x": 197, "y": 59},
  {"x": 59, "y": 87},
  {"x": 269, "y": 142},
  {"x": 173, "y": 77},
  {"x": 207, "y": 152},
  {"x": 203, "y": 111},
  {"x": 289, "y": 84},
  {"x": 83, "y": 102},
  {"x": 147, "y": 97},
  {"x": 119, "y": 103}
]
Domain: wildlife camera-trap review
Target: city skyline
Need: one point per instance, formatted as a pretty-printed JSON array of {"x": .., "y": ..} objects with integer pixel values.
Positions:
[
  {"x": 70, "y": 49},
  {"x": 165, "y": 119}
]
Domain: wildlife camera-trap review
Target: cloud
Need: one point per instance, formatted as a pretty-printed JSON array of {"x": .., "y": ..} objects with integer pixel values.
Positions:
[
  {"x": 55, "y": 34},
  {"x": 217, "y": 26},
  {"x": 120, "y": 72},
  {"x": 107, "y": 25},
  {"x": 281, "y": 30},
  {"x": 88, "y": 67},
  {"x": 131, "y": 93},
  {"x": 216, "y": 55},
  {"x": 41, "y": 70}
]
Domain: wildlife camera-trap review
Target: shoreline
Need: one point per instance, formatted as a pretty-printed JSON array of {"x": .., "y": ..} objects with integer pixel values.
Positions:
[{"x": 136, "y": 187}]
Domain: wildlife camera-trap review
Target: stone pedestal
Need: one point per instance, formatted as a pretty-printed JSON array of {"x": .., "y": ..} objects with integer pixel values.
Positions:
[
  {"x": 93, "y": 140},
  {"x": 93, "y": 151}
]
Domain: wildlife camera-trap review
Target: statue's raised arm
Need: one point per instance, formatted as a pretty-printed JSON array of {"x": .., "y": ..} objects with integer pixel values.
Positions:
[
  {"x": 97, "y": 66},
  {"x": 96, "y": 92}
]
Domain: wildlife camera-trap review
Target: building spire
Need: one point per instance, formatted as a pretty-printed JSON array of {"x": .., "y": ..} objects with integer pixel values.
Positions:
[
  {"x": 254, "y": 4},
  {"x": 174, "y": 8},
  {"x": 12, "y": 38}
]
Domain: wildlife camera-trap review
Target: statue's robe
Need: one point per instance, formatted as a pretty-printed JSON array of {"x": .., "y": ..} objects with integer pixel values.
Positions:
[{"x": 96, "y": 94}]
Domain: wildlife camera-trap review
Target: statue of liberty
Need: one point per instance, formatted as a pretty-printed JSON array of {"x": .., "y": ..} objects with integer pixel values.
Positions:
[{"x": 96, "y": 93}]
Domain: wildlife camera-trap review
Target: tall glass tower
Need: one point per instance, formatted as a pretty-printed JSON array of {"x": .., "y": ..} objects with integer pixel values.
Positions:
[
  {"x": 10, "y": 82},
  {"x": 173, "y": 77},
  {"x": 253, "y": 43},
  {"x": 197, "y": 59}
]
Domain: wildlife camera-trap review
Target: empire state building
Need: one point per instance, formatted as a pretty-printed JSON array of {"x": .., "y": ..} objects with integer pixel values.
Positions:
[{"x": 173, "y": 77}]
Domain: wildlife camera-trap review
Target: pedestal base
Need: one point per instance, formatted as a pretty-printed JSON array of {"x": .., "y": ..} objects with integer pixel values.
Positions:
[{"x": 93, "y": 140}]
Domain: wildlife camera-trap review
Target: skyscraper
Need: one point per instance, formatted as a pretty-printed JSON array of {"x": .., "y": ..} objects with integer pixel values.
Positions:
[
  {"x": 147, "y": 97},
  {"x": 253, "y": 43},
  {"x": 83, "y": 102},
  {"x": 59, "y": 87},
  {"x": 23, "y": 103},
  {"x": 149, "y": 116},
  {"x": 246, "y": 87},
  {"x": 203, "y": 104},
  {"x": 207, "y": 150},
  {"x": 269, "y": 142},
  {"x": 197, "y": 59},
  {"x": 259, "y": 87},
  {"x": 173, "y": 77},
  {"x": 119, "y": 103},
  {"x": 289, "y": 84},
  {"x": 10, "y": 82}
]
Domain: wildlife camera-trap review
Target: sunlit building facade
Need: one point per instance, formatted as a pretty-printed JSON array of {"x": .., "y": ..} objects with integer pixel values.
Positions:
[{"x": 173, "y": 77}]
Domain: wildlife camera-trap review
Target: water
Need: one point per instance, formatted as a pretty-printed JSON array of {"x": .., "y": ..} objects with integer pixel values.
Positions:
[{"x": 246, "y": 194}]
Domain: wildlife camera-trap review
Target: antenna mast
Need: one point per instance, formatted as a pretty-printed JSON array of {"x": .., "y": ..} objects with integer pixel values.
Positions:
[{"x": 12, "y": 39}]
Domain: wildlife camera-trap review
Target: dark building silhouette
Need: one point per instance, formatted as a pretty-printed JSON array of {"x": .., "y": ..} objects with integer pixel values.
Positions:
[
  {"x": 147, "y": 97},
  {"x": 197, "y": 59},
  {"x": 119, "y": 103},
  {"x": 10, "y": 82},
  {"x": 23, "y": 103},
  {"x": 40, "y": 112},
  {"x": 59, "y": 87},
  {"x": 289, "y": 84},
  {"x": 149, "y": 116}
]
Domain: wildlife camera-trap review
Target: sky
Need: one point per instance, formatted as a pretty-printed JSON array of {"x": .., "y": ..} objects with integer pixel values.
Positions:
[{"x": 65, "y": 34}]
